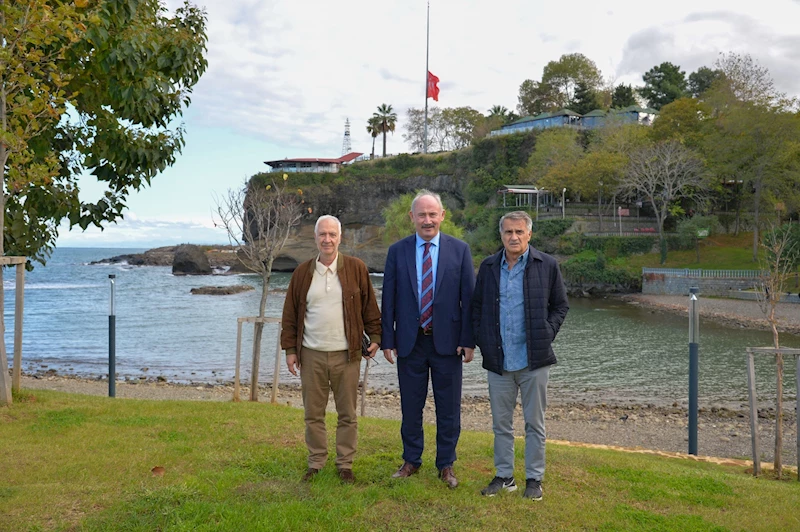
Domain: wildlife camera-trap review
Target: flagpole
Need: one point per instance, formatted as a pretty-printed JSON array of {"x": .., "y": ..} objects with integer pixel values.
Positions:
[{"x": 427, "y": 85}]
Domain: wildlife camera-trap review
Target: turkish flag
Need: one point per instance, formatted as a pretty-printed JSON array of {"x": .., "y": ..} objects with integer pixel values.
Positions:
[{"x": 433, "y": 87}]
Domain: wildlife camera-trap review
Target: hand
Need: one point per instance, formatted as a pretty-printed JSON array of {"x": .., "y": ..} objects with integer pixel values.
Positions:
[
  {"x": 372, "y": 349},
  {"x": 467, "y": 352},
  {"x": 293, "y": 364},
  {"x": 389, "y": 354}
]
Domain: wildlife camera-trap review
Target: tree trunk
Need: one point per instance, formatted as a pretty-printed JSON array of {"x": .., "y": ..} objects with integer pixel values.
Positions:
[
  {"x": 258, "y": 331},
  {"x": 757, "y": 201},
  {"x": 371, "y": 157},
  {"x": 5, "y": 388},
  {"x": 738, "y": 212},
  {"x": 384, "y": 143}
]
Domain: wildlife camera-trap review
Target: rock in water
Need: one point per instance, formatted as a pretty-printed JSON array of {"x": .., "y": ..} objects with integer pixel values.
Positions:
[
  {"x": 190, "y": 260},
  {"x": 221, "y": 290}
]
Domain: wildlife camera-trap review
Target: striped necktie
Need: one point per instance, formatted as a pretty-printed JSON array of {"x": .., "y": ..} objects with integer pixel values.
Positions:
[{"x": 426, "y": 300}]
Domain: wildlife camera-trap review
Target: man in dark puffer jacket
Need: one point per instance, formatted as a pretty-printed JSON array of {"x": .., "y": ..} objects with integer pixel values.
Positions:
[{"x": 518, "y": 307}]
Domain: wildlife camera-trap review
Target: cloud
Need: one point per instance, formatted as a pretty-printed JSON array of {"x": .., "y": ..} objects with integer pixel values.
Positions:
[
  {"x": 699, "y": 38},
  {"x": 136, "y": 232}
]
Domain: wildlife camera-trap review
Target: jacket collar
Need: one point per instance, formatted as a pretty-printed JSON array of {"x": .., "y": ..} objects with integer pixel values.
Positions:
[{"x": 494, "y": 261}]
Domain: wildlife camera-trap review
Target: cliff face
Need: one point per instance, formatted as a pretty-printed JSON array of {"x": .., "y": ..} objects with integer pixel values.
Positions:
[
  {"x": 358, "y": 205},
  {"x": 360, "y": 202}
]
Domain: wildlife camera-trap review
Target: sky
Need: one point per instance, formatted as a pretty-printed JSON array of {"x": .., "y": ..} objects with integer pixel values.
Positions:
[{"x": 284, "y": 75}]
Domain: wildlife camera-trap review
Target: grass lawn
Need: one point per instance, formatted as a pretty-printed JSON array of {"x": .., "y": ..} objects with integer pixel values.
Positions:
[
  {"x": 72, "y": 462},
  {"x": 718, "y": 252}
]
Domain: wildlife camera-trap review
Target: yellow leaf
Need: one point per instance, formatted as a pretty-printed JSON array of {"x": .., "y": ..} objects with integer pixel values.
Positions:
[{"x": 285, "y": 177}]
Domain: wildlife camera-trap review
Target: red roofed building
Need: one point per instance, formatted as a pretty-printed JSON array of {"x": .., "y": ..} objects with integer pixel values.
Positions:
[{"x": 311, "y": 165}]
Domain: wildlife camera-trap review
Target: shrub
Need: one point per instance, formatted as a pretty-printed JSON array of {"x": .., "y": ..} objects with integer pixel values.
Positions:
[
  {"x": 593, "y": 267},
  {"x": 552, "y": 228},
  {"x": 619, "y": 246}
]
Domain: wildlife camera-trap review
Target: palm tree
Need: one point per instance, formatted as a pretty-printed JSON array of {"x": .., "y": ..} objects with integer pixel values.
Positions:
[
  {"x": 373, "y": 128},
  {"x": 498, "y": 110},
  {"x": 386, "y": 120}
]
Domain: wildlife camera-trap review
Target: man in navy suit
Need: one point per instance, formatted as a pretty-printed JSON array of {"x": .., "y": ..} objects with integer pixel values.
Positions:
[{"x": 427, "y": 288}]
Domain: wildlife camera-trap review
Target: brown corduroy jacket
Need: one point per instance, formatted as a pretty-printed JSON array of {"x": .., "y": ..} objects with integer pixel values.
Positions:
[{"x": 361, "y": 312}]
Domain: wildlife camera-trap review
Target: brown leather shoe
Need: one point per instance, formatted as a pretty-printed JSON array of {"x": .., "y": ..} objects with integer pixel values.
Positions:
[
  {"x": 448, "y": 477},
  {"x": 346, "y": 476},
  {"x": 310, "y": 472},
  {"x": 406, "y": 470}
]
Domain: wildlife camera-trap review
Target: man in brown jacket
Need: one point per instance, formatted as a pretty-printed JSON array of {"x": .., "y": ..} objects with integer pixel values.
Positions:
[{"x": 329, "y": 304}]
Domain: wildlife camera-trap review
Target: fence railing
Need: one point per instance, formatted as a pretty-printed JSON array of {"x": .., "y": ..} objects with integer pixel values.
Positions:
[{"x": 705, "y": 274}]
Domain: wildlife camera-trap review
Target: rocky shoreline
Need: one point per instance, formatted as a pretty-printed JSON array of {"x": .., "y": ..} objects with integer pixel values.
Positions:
[
  {"x": 722, "y": 432},
  {"x": 734, "y": 313}
]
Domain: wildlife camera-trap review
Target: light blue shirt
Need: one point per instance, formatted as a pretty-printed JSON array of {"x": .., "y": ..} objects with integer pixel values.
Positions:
[
  {"x": 434, "y": 263},
  {"x": 512, "y": 314}
]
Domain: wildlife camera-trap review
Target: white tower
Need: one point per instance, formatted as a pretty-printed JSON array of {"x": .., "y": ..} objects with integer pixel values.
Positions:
[{"x": 346, "y": 146}]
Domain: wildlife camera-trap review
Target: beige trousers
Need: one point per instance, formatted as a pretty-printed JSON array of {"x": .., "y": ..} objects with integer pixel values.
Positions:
[{"x": 321, "y": 372}]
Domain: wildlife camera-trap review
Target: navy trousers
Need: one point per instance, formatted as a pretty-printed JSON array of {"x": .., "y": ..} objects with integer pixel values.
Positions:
[{"x": 445, "y": 375}]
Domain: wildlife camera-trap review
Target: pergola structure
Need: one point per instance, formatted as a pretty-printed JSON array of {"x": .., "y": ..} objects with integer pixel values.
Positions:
[{"x": 523, "y": 196}]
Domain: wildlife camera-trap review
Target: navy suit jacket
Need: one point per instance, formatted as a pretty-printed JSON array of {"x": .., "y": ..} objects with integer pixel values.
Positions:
[{"x": 455, "y": 281}]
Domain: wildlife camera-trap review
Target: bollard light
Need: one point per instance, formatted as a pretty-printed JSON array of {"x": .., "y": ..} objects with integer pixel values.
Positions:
[
  {"x": 112, "y": 362},
  {"x": 694, "y": 348}
]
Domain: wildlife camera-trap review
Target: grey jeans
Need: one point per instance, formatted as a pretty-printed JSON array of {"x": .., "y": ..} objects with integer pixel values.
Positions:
[{"x": 503, "y": 391}]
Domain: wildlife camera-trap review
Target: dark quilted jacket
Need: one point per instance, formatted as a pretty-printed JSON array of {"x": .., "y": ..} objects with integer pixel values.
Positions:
[{"x": 546, "y": 307}]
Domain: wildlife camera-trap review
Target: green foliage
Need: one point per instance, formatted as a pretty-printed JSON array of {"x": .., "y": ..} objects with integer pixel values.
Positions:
[
  {"x": 623, "y": 96},
  {"x": 399, "y": 224},
  {"x": 690, "y": 226},
  {"x": 536, "y": 97},
  {"x": 385, "y": 121},
  {"x": 566, "y": 73},
  {"x": 789, "y": 258},
  {"x": 401, "y": 162},
  {"x": 556, "y": 151},
  {"x": 482, "y": 187},
  {"x": 551, "y": 228},
  {"x": 686, "y": 120},
  {"x": 125, "y": 70},
  {"x": 680, "y": 242},
  {"x": 663, "y": 84},
  {"x": 618, "y": 246},
  {"x": 483, "y": 234},
  {"x": 593, "y": 267},
  {"x": 702, "y": 79},
  {"x": 586, "y": 99}
]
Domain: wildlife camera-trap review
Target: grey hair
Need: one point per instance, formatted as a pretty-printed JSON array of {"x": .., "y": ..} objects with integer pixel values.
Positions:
[
  {"x": 327, "y": 217},
  {"x": 516, "y": 215},
  {"x": 426, "y": 192}
]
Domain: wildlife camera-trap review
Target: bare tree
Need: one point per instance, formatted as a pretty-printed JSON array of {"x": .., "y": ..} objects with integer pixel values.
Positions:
[
  {"x": 778, "y": 264},
  {"x": 661, "y": 174},
  {"x": 258, "y": 219}
]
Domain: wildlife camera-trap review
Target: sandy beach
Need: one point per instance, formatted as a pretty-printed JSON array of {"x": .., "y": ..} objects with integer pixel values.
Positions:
[{"x": 722, "y": 432}]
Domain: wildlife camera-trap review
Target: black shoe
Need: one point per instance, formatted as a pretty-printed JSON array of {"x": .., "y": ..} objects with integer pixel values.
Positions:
[
  {"x": 498, "y": 484},
  {"x": 533, "y": 489}
]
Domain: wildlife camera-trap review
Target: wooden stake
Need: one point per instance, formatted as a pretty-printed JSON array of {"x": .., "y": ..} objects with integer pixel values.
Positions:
[
  {"x": 277, "y": 373},
  {"x": 18, "y": 307},
  {"x": 751, "y": 390}
]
